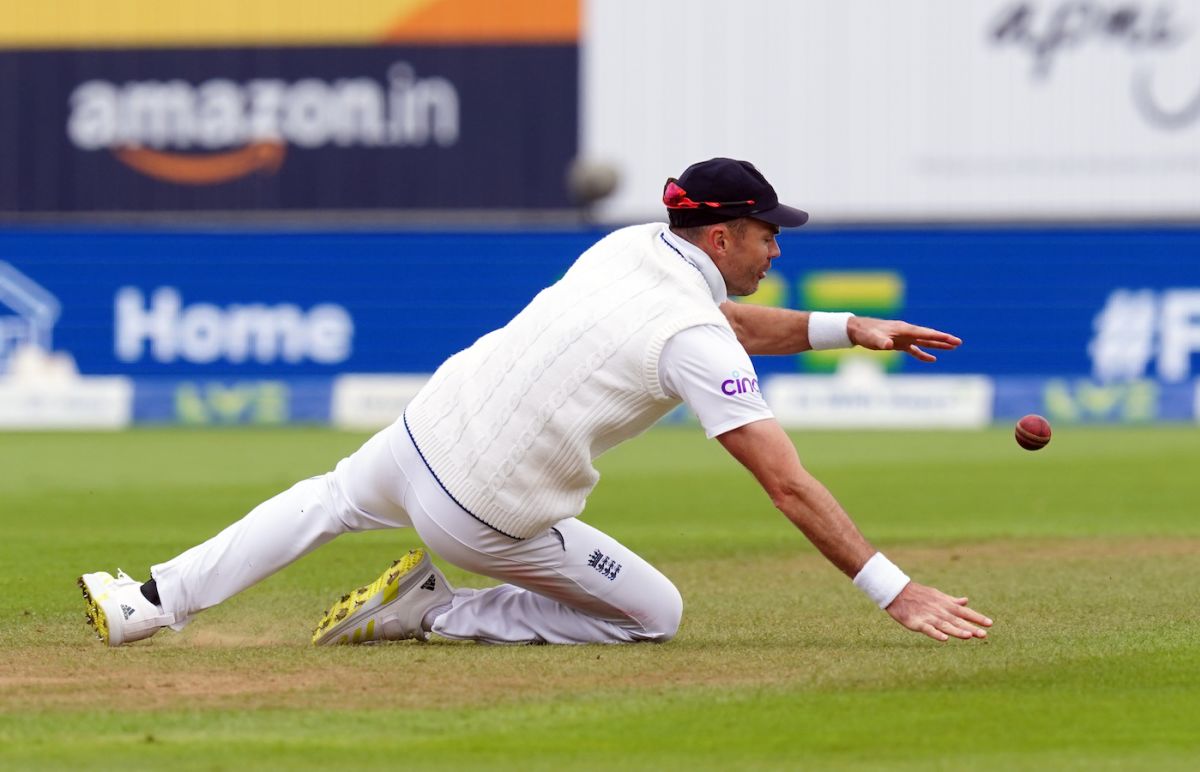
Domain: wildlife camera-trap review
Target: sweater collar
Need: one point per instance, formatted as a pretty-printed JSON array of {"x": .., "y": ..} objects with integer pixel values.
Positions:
[{"x": 695, "y": 257}]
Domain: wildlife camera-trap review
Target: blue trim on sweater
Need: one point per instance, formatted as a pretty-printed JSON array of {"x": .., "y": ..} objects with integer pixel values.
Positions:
[
  {"x": 440, "y": 483},
  {"x": 682, "y": 257}
]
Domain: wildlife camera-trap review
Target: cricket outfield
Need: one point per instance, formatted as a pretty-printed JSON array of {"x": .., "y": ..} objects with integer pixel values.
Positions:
[{"x": 1086, "y": 555}]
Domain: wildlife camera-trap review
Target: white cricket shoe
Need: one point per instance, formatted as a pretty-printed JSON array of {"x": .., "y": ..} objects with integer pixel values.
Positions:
[
  {"x": 389, "y": 609},
  {"x": 117, "y": 610}
]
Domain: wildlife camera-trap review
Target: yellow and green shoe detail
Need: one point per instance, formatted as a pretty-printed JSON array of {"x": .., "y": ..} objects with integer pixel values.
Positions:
[
  {"x": 96, "y": 618},
  {"x": 388, "y": 584}
]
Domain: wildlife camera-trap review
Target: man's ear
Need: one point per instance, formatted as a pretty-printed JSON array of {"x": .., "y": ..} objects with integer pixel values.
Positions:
[{"x": 718, "y": 239}]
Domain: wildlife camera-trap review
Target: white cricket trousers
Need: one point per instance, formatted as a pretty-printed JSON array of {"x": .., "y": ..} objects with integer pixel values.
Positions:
[{"x": 570, "y": 584}]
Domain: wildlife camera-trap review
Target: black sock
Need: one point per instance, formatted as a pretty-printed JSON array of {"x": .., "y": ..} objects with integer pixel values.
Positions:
[{"x": 150, "y": 592}]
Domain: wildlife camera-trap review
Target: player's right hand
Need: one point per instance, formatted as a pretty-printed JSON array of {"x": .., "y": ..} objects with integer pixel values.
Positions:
[
  {"x": 930, "y": 611},
  {"x": 895, "y": 335}
]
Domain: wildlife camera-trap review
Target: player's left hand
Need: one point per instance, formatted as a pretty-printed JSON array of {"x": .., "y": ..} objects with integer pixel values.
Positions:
[
  {"x": 932, "y": 612},
  {"x": 889, "y": 335}
]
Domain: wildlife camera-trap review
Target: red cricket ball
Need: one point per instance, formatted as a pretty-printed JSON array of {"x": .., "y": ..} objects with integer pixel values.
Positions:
[{"x": 1033, "y": 432}]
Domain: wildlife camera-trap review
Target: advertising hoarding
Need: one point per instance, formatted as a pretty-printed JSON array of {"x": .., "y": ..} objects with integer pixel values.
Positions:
[
  {"x": 1084, "y": 324},
  {"x": 922, "y": 110},
  {"x": 431, "y": 105},
  {"x": 1112, "y": 304}
]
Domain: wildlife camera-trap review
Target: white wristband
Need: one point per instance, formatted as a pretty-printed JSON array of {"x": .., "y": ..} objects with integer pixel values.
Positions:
[
  {"x": 828, "y": 330},
  {"x": 881, "y": 580}
]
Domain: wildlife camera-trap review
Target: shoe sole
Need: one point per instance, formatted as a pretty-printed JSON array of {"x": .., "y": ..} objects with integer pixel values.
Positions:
[
  {"x": 400, "y": 577},
  {"x": 96, "y": 618}
]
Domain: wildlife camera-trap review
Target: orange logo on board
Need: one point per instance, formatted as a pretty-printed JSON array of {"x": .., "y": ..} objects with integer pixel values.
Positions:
[{"x": 211, "y": 169}]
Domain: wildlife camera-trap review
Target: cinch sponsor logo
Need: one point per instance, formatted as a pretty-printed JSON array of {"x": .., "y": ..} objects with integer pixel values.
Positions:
[
  {"x": 739, "y": 385},
  {"x": 246, "y": 127},
  {"x": 203, "y": 333}
]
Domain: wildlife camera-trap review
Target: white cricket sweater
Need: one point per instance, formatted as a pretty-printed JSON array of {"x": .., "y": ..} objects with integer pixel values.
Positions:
[{"x": 510, "y": 426}]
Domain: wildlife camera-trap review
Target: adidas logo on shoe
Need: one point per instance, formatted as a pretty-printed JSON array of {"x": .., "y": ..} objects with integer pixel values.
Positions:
[
  {"x": 117, "y": 610},
  {"x": 430, "y": 583}
]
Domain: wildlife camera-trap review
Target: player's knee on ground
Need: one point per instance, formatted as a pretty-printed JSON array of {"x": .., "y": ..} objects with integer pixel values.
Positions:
[{"x": 662, "y": 612}]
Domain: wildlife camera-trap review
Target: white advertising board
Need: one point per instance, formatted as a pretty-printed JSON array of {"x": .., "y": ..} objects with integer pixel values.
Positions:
[
  {"x": 880, "y": 402},
  {"x": 921, "y": 110},
  {"x": 368, "y": 402},
  {"x": 78, "y": 403}
]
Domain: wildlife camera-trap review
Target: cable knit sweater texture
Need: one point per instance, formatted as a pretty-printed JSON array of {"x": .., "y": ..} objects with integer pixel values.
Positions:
[{"x": 510, "y": 426}]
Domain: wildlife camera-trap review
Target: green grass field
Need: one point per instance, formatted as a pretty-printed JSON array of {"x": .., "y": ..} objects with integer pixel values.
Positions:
[{"x": 1086, "y": 554}]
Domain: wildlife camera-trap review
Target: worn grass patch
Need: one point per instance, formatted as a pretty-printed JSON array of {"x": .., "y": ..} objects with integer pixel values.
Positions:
[{"x": 1085, "y": 555}]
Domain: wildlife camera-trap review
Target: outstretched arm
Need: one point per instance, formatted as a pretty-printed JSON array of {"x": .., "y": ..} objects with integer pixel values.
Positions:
[
  {"x": 766, "y": 330},
  {"x": 765, "y": 449}
]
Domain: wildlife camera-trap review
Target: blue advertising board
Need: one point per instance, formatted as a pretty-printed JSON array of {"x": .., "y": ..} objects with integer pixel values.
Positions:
[
  {"x": 353, "y": 127},
  {"x": 273, "y": 304},
  {"x": 1113, "y": 303},
  {"x": 1097, "y": 324}
]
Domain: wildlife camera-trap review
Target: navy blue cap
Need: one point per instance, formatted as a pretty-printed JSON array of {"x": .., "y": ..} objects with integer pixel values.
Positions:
[{"x": 722, "y": 189}]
